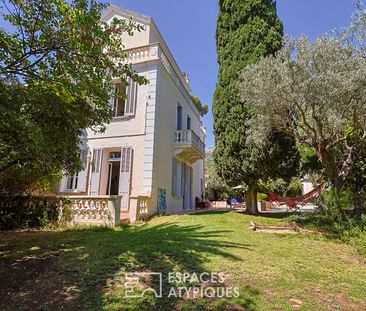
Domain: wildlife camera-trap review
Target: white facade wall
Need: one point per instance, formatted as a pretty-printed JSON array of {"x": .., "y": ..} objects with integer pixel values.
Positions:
[
  {"x": 151, "y": 131},
  {"x": 170, "y": 96}
]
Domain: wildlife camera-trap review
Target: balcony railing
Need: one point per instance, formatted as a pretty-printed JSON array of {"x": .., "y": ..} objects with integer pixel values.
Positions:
[
  {"x": 190, "y": 145},
  {"x": 143, "y": 54},
  {"x": 156, "y": 52}
]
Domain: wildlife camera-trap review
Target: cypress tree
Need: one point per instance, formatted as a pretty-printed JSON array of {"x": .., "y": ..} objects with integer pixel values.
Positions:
[{"x": 246, "y": 31}]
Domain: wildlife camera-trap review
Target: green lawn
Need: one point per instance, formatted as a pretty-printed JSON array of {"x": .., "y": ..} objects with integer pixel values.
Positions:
[{"x": 84, "y": 269}]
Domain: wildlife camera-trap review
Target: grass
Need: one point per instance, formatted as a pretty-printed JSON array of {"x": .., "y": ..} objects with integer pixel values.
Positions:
[{"x": 83, "y": 269}]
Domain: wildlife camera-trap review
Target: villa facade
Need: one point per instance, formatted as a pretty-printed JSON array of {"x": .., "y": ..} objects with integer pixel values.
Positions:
[{"x": 154, "y": 147}]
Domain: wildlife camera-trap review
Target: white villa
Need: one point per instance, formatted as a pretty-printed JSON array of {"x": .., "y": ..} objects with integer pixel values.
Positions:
[{"x": 154, "y": 148}]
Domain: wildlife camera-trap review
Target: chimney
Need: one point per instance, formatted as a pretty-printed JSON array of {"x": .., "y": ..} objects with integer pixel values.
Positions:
[{"x": 186, "y": 77}]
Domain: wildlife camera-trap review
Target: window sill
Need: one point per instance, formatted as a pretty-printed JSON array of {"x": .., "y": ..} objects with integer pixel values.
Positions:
[{"x": 124, "y": 118}]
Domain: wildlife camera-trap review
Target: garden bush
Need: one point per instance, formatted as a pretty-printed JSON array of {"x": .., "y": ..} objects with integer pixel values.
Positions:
[
  {"x": 347, "y": 224},
  {"x": 25, "y": 212}
]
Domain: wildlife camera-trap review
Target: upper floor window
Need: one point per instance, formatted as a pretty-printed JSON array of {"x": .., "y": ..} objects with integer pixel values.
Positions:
[
  {"x": 125, "y": 106},
  {"x": 119, "y": 103},
  {"x": 179, "y": 117},
  {"x": 189, "y": 123}
]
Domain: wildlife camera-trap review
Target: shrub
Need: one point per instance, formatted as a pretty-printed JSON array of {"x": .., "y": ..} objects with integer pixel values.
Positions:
[
  {"x": 349, "y": 227},
  {"x": 25, "y": 212},
  {"x": 261, "y": 197}
]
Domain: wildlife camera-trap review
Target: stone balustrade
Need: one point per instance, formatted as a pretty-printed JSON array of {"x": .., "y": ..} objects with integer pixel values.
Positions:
[{"x": 86, "y": 210}]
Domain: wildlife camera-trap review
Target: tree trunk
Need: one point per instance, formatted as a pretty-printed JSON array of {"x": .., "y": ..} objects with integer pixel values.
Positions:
[
  {"x": 251, "y": 201},
  {"x": 330, "y": 167},
  {"x": 331, "y": 170},
  {"x": 337, "y": 187}
]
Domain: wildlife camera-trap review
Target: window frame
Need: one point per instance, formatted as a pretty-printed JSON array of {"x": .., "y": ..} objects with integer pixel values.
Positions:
[
  {"x": 189, "y": 122},
  {"x": 118, "y": 101},
  {"x": 96, "y": 161},
  {"x": 179, "y": 117},
  {"x": 130, "y": 102},
  {"x": 74, "y": 182}
]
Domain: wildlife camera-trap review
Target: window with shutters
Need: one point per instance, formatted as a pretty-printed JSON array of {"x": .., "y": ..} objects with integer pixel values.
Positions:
[
  {"x": 125, "y": 99},
  {"x": 84, "y": 157},
  {"x": 96, "y": 161},
  {"x": 72, "y": 182},
  {"x": 118, "y": 101}
]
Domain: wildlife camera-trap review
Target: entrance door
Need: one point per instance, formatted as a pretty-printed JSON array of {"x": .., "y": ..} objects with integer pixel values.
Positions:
[
  {"x": 125, "y": 175},
  {"x": 113, "y": 178}
]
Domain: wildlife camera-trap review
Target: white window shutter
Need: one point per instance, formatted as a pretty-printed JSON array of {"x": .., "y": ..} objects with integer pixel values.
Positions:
[
  {"x": 174, "y": 177},
  {"x": 178, "y": 191},
  {"x": 112, "y": 100},
  {"x": 125, "y": 175},
  {"x": 130, "y": 104},
  {"x": 96, "y": 168},
  {"x": 83, "y": 174}
]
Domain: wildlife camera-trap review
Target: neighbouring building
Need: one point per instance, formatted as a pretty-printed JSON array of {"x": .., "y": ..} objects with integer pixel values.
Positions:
[{"x": 154, "y": 147}]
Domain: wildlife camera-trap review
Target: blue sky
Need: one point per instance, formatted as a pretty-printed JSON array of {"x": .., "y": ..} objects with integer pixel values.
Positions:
[{"x": 189, "y": 29}]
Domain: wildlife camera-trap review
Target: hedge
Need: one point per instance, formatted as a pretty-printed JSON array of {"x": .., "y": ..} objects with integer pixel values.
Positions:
[{"x": 25, "y": 212}]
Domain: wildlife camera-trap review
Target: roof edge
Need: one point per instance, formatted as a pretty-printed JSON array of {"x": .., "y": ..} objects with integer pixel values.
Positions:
[{"x": 116, "y": 10}]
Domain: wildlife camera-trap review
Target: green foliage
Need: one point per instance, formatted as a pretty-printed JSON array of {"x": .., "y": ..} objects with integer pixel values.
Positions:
[
  {"x": 66, "y": 214},
  {"x": 309, "y": 163},
  {"x": 356, "y": 236},
  {"x": 261, "y": 197},
  {"x": 292, "y": 188},
  {"x": 202, "y": 109},
  {"x": 57, "y": 61},
  {"x": 329, "y": 217},
  {"x": 350, "y": 229},
  {"x": 25, "y": 212},
  {"x": 356, "y": 181},
  {"x": 39, "y": 136},
  {"x": 355, "y": 33},
  {"x": 246, "y": 31},
  {"x": 315, "y": 92},
  {"x": 64, "y": 45},
  {"x": 216, "y": 189}
]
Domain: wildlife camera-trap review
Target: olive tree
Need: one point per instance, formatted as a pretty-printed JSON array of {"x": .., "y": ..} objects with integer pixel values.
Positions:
[
  {"x": 316, "y": 92},
  {"x": 355, "y": 34}
]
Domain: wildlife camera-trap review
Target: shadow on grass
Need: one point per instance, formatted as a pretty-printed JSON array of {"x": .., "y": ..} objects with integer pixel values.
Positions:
[{"x": 84, "y": 269}]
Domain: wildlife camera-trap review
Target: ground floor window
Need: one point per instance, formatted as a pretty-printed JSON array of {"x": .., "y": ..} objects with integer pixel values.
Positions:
[{"x": 72, "y": 182}]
